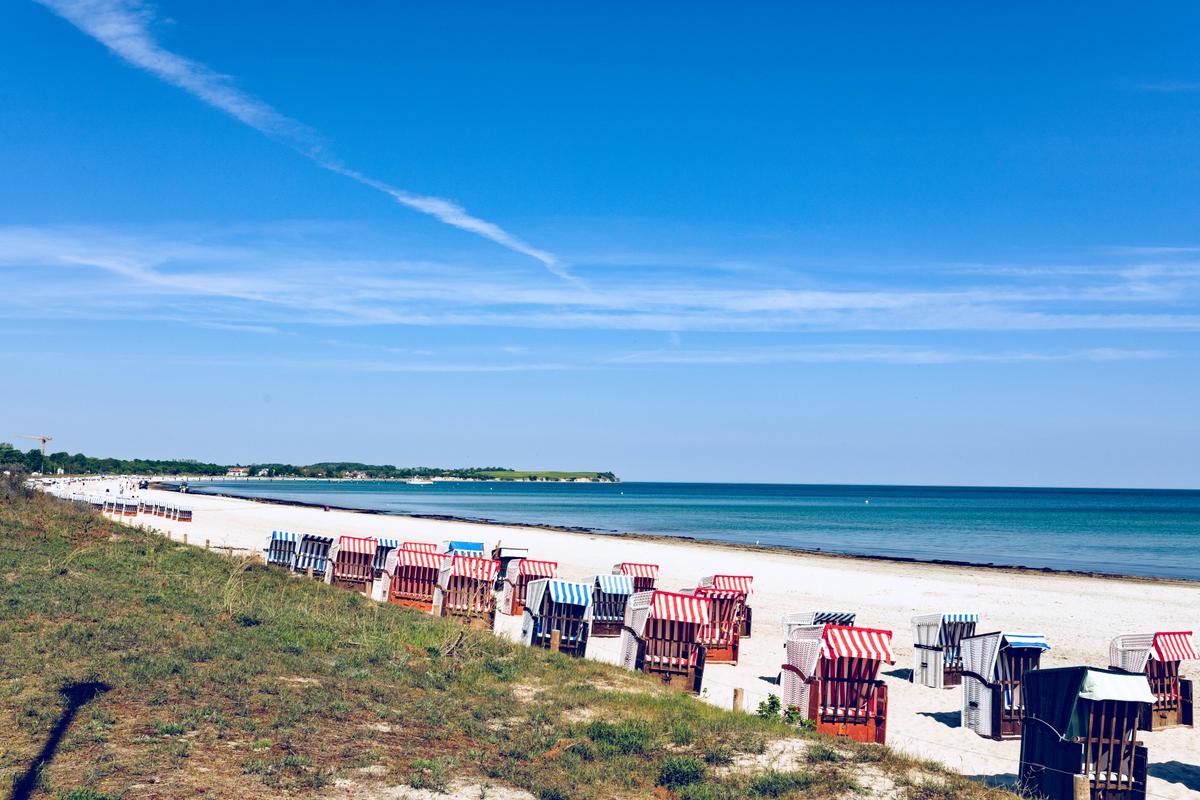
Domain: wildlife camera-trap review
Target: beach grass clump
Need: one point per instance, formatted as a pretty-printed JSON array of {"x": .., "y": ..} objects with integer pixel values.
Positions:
[{"x": 144, "y": 666}]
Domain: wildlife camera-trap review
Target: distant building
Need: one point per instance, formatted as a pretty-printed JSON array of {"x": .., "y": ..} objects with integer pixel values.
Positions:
[
  {"x": 263, "y": 473},
  {"x": 238, "y": 472}
]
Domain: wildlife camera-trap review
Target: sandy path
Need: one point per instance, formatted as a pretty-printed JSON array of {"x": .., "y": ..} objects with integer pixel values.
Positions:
[{"x": 1078, "y": 614}]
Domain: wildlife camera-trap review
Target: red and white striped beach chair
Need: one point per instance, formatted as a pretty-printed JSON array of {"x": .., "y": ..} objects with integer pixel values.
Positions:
[
  {"x": 644, "y": 575},
  {"x": 464, "y": 591},
  {"x": 353, "y": 563},
  {"x": 740, "y": 583},
  {"x": 414, "y": 576},
  {"x": 516, "y": 581},
  {"x": 661, "y": 637},
  {"x": 722, "y": 635},
  {"x": 831, "y": 678},
  {"x": 1159, "y": 655}
]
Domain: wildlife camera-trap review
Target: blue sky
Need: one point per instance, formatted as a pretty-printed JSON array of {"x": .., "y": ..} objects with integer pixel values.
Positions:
[{"x": 937, "y": 243}]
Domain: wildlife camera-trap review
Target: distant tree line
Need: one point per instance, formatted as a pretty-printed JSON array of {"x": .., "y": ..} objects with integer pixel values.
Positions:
[{"x": 79, "y": 464}]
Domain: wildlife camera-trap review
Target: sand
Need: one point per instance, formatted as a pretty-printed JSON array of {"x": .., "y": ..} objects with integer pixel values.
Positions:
[{"x": 1079, "y": 614}]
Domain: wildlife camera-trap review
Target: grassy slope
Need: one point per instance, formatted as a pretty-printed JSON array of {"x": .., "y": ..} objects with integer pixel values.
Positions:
[{"x": 239, "y": 680}]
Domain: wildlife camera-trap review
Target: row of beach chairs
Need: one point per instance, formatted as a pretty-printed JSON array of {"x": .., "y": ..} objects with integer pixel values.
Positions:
[
  {"x": 130, "y": 507},
  {"x": 1075, "y": 723}
]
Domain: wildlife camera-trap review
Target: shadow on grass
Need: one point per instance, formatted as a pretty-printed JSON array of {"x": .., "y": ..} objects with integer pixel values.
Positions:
[{"x": 78, "y": 695}]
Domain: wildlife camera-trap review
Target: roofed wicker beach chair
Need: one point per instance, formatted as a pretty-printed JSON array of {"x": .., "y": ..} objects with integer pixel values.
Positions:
[
  {"x": 185, "y": 514},
  {"x": 464, "y": 591},
  {"x": 993, "y": 665},
  {"x": 644, "y": 575},
  {"x": 1079, "y": 738},
  {"x": 937, "y": 654},
  {"x": 722, "y": 635},
  {"x": 415, "y": 576},
  {"x": 281, "y": 549},
  {"x": 353, "y": 560},
  {"x": 130, "y": 508},
  {"x": 312, "y": 555},
  {"x": 832, "y": 678},
  {"x": 557, "y": 606},
  {"x": 383, "y": 549},
  {"x": 741, "y": 583},
  {"x": 516, "y": 581},
  {"x": 661, "y": 636},
  {"x": 1159, "y": 655},
  {"x": 610, "y": 593}
]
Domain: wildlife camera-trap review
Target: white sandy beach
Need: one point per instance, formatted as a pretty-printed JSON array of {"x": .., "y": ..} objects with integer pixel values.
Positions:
[{"x": 1078, "y": 614}]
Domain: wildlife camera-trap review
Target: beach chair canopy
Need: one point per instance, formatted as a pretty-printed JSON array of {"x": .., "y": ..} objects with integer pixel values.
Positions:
[
  {"x": 636, "y": 570},
  {"x": 559, "y": 591},
  {"x": 358, "y": 545},
  {"x": 539, "y": 569},
  {"x": 419, "y": 558},
  {"x": 1174, "y": 646},
  {"x": 428, "y": 547},
  {"x": 843, "y": 641},
  {"x": 466, "y": 548},
  {"x": 1052, "y": 696},
  {"x": 506, "y": 553},
  {"x": 806, "y": 618},
  {"x": 614, "y": 584},
  {"x": 739, "y": 583},
  {"x": 677, "y": 607},
  {"x": 483, "y": 569}
]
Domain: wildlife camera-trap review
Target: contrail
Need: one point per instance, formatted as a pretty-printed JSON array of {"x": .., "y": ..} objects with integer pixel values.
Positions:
[{"x": 123, "y": 27}]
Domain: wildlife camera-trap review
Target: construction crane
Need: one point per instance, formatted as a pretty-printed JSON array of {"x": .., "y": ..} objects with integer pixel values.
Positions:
[{"x": 42, "y": 439}]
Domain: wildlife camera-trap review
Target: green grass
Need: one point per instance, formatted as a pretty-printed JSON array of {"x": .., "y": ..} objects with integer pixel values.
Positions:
[{"x": 235, "y": 678}]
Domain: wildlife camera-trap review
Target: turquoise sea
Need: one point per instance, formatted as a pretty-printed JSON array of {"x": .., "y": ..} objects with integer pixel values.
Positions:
[{"x": 1119, "y": 531}]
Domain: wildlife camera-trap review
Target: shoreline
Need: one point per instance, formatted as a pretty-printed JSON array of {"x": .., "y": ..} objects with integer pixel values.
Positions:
[{"x": 691, "y": 540}]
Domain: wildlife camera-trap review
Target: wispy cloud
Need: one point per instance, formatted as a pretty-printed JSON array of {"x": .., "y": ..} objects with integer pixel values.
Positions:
[{"x": 123, "y": 26}]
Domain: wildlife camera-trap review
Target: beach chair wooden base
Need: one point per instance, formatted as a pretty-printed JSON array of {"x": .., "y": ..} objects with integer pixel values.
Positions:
[
  {"x": 606, "y": 630},
  {"x": 684, "y": 681},
  {"x": 868, "y": 729},
  {"x": 518, "y": 607},
  {"x": 722, "y": 655},
  {"x": 1174, "y": 713},
  {"x": 419, "y": 603},
  {"x": 951, "y": 677}
]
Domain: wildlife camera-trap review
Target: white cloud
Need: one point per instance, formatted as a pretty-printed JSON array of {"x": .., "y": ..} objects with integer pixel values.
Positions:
[{"x": 123, "y": 26}]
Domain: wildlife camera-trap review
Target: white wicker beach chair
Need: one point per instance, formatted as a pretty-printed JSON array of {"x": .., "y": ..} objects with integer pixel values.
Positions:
[
  {"x": 937, "y": 661},
  {"x": 553, "y": 605},
  {"x": 993, "y": 703}
]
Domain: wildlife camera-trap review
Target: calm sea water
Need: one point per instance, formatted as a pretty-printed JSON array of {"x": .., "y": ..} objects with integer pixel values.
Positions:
[{"x": 1132, "y": 532}]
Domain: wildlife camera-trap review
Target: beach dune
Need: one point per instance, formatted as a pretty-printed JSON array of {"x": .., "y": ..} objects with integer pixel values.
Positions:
[{"x": 1079, "y": 614}]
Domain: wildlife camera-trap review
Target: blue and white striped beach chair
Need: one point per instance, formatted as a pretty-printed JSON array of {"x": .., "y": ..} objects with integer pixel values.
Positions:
[
  {"x": 313, "y": 552},
  {"x": 281, "y": 548},
  {"x": 384, "y": 547},
  {"x": 610, "y": 593},
  {"x": 553, "y": 604}
]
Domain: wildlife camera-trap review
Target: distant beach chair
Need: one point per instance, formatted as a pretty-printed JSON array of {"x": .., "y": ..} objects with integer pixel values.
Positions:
[
  {"x": 831, "y": 677},
  {"x": 993, "y": 704},
  {"x": 610, "y": 593},
  {"x": 937, "y": 652},
  {"x": 722, "y": 635},
  {"x": 415, "y": 577},
  {"x": 516, "y": 582},
  {"x": 313, "y": 552},
  {"x": 740, "y": 583},
  {"x": 1158, "y": 656},
  {"x": 464, "y": 591},
  {"x": 130, "y": 508},
  {"x": 1079, "y": 738},
  {"x": 644, "y": 575},
  {"x": 383, "y": 549},
  {"x": 462, "y": 548},
  {"x": 281, "y": 549},
  {"x": 353, "y": 560},
  {"x": 185, "y": 514},
  {"x": 661, "y": 637},
  {"x": 557, "y": 605}
]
